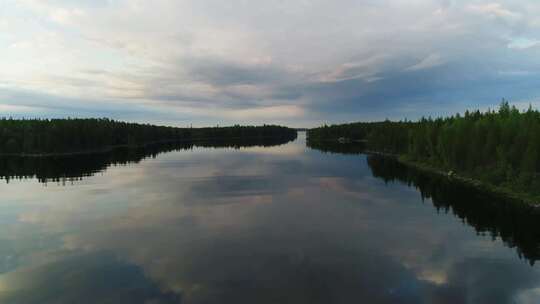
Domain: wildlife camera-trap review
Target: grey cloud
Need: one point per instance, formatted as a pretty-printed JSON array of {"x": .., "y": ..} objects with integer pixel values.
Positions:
[
  {"x": 52, "y": 103},
  {"x": 213, "y": 82},
  {"x": 222, "y": 73},
  {"x": 39, "y": 105},
  {"x": 338, "y": 60}
]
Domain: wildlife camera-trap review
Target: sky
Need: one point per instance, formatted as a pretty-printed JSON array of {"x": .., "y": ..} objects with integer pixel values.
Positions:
[{"x": 296, "y": 62}]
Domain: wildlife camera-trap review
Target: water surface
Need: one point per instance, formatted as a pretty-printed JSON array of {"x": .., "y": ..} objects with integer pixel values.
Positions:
[{"x": 280, "y": 224}]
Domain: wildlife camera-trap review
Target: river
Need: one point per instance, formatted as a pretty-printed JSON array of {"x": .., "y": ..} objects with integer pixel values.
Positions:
[{"x": 257, "y": 224}]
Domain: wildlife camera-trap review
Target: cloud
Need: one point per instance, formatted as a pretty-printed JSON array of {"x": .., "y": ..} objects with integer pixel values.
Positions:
[
  {"x": 212, "y": 57},
  {"x": 494, "y": 10},
  {"x": 523, "y": 43},
  {"x": 430, "y": 61},
  {"x": 288, "y": 111}
]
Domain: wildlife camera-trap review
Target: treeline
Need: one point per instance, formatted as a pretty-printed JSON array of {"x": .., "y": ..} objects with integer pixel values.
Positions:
[
  {"x": 49, "y": 136},
  {"x": 499, "y": 147},
  {"x": 70, "y": 168}
]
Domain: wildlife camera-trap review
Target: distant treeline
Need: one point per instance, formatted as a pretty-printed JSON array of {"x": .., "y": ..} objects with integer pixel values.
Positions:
[
  {"x": 50, "y": 136},
  {"x": 500, "y": 147},
  {"x": 71, "y": 168}
]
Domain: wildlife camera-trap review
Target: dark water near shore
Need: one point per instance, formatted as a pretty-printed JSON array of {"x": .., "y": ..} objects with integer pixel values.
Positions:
[{"x": 274, "y": 224}]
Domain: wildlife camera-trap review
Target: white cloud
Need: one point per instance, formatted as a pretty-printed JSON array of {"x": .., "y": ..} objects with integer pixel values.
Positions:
[
  {"x": 523, "y": 43},
  {"x": 430, "y": 61},
  {"x": 494, "y": 10}
]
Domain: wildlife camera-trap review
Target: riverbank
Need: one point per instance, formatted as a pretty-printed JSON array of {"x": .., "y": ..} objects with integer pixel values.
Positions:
[
  {"x": 494, "y": 150},
  {"x": 453, "y": 176},
  {"x": 108, "y": 149},
  {"x": 502, "y": 192}
]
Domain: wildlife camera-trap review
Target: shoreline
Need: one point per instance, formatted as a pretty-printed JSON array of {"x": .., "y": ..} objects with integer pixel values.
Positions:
[
  {"x": 502, "y": 192},
  {"x": 108, "y": 149}
]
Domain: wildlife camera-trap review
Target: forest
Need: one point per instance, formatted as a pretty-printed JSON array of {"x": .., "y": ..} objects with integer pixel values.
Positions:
[
  {"x": 499, "y": 147},
  {"x": 54, "y": 136}
]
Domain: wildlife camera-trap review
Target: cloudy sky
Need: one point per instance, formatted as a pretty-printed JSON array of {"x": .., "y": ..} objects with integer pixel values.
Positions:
[{"x": 300, "y": 63}]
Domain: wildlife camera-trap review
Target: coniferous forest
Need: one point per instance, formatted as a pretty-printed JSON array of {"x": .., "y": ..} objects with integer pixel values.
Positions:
[
  {"x": 500, "y": 148},
  {"x": 52, "y": 136}
]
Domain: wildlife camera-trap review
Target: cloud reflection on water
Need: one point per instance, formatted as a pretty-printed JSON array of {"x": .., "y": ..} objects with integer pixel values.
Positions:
[{"x": 228, "y": 226}]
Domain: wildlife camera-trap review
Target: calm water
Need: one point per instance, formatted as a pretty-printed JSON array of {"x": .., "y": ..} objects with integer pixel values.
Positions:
[{"x": 282, "y": 224}]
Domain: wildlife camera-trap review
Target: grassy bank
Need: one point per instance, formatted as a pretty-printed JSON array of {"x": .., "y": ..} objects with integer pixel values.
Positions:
[{"x": 500, "y": 191}]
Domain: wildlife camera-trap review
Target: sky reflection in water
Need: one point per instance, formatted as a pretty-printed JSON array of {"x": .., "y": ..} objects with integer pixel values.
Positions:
[{"x": 278, "y": 224}]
